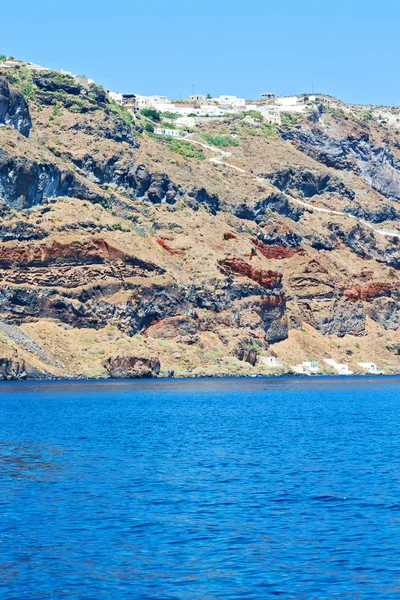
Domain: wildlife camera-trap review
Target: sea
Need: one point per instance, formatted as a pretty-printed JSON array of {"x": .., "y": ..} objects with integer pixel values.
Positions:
[{"x": 200, "y": 489}]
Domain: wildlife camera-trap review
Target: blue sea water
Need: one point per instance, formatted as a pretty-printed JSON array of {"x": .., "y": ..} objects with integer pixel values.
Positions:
[{"x": 200, "y": 489}]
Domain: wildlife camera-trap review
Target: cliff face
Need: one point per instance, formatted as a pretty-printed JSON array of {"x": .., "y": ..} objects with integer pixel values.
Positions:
[{"x": 123, "y": 254}]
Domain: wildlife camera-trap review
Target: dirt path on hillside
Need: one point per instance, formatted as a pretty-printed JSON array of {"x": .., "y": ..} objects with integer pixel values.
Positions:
[{"x": 221, "y": 154}]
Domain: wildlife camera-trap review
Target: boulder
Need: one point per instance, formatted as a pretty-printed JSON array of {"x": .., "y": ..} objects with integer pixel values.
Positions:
[
  {"x": 12, "y": 369},
  {"x": 132, "y": 367}
]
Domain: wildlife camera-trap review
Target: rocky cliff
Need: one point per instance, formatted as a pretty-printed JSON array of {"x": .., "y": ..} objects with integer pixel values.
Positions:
[{"x": 123, "y": 254}]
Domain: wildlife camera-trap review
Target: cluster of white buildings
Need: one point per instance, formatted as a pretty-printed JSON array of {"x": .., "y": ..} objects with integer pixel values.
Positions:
[{"x": 199, "y": 106}]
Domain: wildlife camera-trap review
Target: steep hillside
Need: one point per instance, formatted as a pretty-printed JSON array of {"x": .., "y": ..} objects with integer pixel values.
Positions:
[{"x": 125, "y": 254}]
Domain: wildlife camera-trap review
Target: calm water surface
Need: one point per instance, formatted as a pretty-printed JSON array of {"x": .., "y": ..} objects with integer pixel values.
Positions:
[{"x": 200, "y": 489}]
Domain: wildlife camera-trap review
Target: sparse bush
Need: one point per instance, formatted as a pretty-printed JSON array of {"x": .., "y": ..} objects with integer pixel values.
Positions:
[
  {"x": 169, "y": 115},
  {"x": 288, "y": 118},
  {"x": 221, "y": 140},
  {"x": 151, "y": 113},
  {"x": 184, "y": 148},
  {"x": 368, "y": 115}
]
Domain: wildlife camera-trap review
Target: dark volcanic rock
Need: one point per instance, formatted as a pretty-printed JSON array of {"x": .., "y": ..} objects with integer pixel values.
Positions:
[
  {"x": 247, "y": 354},
  {"x": 12, "y": 369},
  {"x": 275, "y": 202},
  {"x": 56, "y": 82},
  {"x": 376, "y": 164},
  {"x": 14, "y": 109},
  {"x": 201, "y": 196},
  {"x": 386, "y": 312},
  {"x": 132, "y": 367},
  {"x": 384, "y": 212},
  {"x": 345, "y": 318},
  {"x": 114, "y": 129},
  {"x": 24, "y": 183},
  {"x": 21, "y": 231},
  {"x": 306, "y": 184}
]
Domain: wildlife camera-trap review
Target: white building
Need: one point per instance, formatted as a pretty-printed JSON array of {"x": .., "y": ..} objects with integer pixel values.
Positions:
[
  {"x": 341, "y": 368},
  {"x": 116, "y": 97},
  {"x": 230, "y": 101},
  {"x": 307, "y": 367},
  {"x": 270, "y": 361},
  {"x": 270, "y": 113},
  {"x": 167, "y": 131},
  {"x": 188, "y": 121},
  {"x": 371, "y": 368}
]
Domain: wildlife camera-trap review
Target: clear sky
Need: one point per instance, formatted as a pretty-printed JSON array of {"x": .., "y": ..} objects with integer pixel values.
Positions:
[{"x": 347, "y": 48}]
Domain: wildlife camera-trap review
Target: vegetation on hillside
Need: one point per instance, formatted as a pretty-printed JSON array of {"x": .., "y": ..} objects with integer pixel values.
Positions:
[{"x": 222, "y": 141}]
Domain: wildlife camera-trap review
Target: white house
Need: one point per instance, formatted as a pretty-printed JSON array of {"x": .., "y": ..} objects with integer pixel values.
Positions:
[
  {"x": 341, "y": 368},
  {"x": 116, "y": 97},
  {"x": 170, "y": 132},
  {"x": 371, "y": 368},
  {"x": 270, "y": 113},
  {"x": 188, "y": 121},
  {"x": 270, "y": 361},
  {"x": 307, "y": 367},
  {"x": 231, "y": 101}
]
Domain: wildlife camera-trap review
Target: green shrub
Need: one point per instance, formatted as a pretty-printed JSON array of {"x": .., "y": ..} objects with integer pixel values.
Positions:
[
  {"x": 28, "y": 91},
  {"x": 184, "y": 148},
  {"x": 288, "y": 118},
  {"x": 169, "y": 115},
  {"x": 151, "y": 113},
  {"x": 167, "y": 125},
  {"x": 253, "y": 114},
  {"x": 269, "y": 129},
  {"x": 56, "y": 110},
  {"x": 367, "y": 115},
  {"x": 221, "y": 140},
  {"x": 3, "y": 57},
  {"x": 149, "y": 127}
]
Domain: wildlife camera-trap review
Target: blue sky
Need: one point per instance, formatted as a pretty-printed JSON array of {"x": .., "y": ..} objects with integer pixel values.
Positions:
[{"x": 349, "y": 49}]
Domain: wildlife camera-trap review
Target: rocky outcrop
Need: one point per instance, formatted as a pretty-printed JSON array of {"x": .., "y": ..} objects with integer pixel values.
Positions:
[
  {"x": 200, "y": 196},
  {"x": 276, "y": 202},
  {"x": 69, "y": 265},
  {"x": 246, "y": 353},
  {"x": 279, "y": 236},
  {"x": 173, "y": 327},
  {"x": 115, "y": 129},
  {"x": 12, "y": 369},
  {"x": 14, "y": 110},
  {"x": 132, "y": 367},
  {"x": 266, "y": 279},
  {"x": 375, "y": 164},
  {"x": 306, "y": 184},
  {"x": 385, "y": 311},
  {"x": 57, "y": 82},
  {"x": 277, "y": 252},
  {"x": 344, "y": 318},
  {"x": 271, "y": 306},
  {"x": 21, "y": 231},
  {"x": 25, "y": 183}
]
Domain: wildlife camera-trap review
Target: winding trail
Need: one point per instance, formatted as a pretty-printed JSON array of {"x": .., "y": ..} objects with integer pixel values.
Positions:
[{"x": 221, "y": 154}]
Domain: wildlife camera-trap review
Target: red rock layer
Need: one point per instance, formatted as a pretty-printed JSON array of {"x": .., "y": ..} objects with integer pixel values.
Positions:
[
  {"x": 369, "y": 291},
  {"x": 173, "y": 251},
  {"x": 277, "y": 252},
  {"x": 265, "y": 278}
]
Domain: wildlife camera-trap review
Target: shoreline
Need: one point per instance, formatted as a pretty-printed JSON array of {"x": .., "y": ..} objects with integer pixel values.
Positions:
[{"x": 280, "y": 377}]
